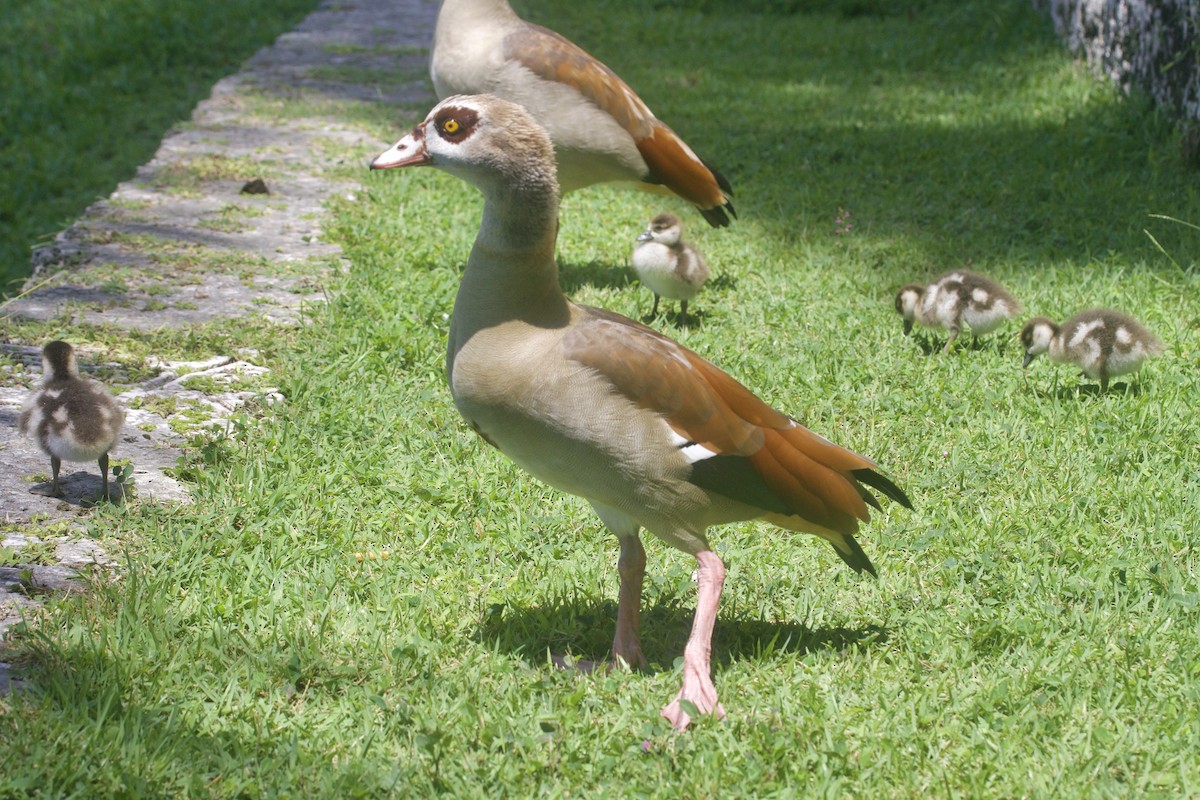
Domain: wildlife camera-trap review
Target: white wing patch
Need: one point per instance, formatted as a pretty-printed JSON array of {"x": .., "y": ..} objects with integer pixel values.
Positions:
[
  {"x": 33, "y": 421},
  {"x": 1083, "y": 331},
  {"x": 692, "y": 451}
]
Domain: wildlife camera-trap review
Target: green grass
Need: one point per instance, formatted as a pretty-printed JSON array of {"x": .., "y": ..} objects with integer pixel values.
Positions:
[
  {"x": 1033, "y": 632},
  {"x": 91, "y": 87}
]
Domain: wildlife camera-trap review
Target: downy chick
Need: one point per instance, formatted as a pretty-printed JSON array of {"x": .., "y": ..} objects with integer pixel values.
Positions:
[{"x": 667, "y": 265}]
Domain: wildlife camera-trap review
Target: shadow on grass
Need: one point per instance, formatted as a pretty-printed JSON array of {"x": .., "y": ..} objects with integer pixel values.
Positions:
[
  {"x": 584, "y": 629},
  {"x": 1080, "y": 391},
  {"x": 933, "y": 346},
  {"x": 951, "y": 131},
  {"x": 91, "y": 694},
  {"x": 669, "y": 317},
  {"x": 1066, "y": 385},
  {"x": 121, "y": 739},
  {"x": 596, "y": 274}
]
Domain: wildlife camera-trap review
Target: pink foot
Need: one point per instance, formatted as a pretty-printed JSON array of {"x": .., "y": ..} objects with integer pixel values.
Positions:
[
  {"x": 697, "y": 689},
  {"x": 698, "y": 692},
  {"x": 628, "y": 652}
]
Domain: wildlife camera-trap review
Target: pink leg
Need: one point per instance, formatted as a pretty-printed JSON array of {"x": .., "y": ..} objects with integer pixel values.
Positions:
[
  {"x": 950, "y": 341},
  {"x": 697, "y": 682},
  {"x": 631, "y": 566}
]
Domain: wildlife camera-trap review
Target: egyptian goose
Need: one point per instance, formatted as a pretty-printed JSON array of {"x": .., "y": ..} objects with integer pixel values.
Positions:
[
  {"x": 667, "y": 265},
  {"x": 1101, "y": 342},
  {"x": 72, "y": 418},
  {"x": 597, "y": 405},
  {"x": 602, "y": 131},
  {"x": 958, "y": 298}
]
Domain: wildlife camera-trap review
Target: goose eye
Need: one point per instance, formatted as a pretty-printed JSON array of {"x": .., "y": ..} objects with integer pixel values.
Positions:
[{"x": 456, "y": 123}]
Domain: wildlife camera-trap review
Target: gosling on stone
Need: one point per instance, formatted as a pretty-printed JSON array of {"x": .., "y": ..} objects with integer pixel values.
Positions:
[
  {"x": 957, "y": 298},
  {"x": 72, "y": 418},
  {"x": 667, "y": 265},
  {"x": 1101, "y": 342}
]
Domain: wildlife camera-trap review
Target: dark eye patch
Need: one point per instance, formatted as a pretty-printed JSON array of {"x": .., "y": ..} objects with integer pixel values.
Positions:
[{"x": 456, "y": 123}]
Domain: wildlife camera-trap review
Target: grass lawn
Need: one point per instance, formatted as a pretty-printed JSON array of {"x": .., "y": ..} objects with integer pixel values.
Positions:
[
  {"x": 89, "y": 88},
  {"x": 364, "y": 597}
]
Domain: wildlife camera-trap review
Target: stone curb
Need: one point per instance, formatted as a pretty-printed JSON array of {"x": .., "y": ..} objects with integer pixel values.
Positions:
[{"x": 193, "y": 239}]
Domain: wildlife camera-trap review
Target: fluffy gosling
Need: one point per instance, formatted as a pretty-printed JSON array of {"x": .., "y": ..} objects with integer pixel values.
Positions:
[
  {"x": 1101, "y": 342},
  {"x": 667, "y": 265},
  {"x": 957, "y": 298},
  {"x": 72, "y": 418}
]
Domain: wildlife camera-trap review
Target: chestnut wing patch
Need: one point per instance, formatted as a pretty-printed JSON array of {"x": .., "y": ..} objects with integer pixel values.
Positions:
[
  {"x": 669, "y": 161},
  {"x": 659, "y": 375},
  {"x": 555, "y": 58},
  {"x": 763, "y": 458}
]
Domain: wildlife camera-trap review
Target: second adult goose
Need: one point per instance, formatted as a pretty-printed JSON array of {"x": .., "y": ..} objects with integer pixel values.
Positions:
[
  {"x": 650, "y": 433},
  {"x": 601, "y": 129}
]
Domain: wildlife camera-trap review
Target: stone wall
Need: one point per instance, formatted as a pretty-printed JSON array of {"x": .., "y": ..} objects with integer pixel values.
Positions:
[{"x": 1150, "y": 44}]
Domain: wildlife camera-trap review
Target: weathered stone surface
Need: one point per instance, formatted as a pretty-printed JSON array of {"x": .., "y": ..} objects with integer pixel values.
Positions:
[
  {"x": 1151, "y": 44},
  {"x": 180, "y": 244}
]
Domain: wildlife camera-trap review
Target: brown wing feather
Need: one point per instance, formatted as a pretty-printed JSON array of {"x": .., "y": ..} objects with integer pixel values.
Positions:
[
  {"x": 811, "y": 475},
  {"x": 555, "y": 58},
  {"x": 817, "y": 491},
  {"x": 669, "y": 161},
  {"x": 673, "y": 164},
  {"x": 658, "y": 374}
]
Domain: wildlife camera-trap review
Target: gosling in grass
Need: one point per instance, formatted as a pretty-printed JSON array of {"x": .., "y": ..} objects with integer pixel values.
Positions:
[
  {"x": 667, "y": 265},
  {"x": 1101, "y": 342},
  {"x": 72, "y": 418},
  {"x": 958, "y": 298}
]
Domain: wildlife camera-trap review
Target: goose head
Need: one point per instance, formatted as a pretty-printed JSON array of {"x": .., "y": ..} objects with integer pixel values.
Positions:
[
  {"x": 1035, "y": 338},
  {"x": 491, "y": 143},
  {"x": 58, "y": 361},
  {"x": 665, "y": 229}
]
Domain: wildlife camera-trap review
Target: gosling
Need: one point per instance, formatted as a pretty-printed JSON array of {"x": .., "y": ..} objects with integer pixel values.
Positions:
[
  {"x": 72, "y": 418},
  {"x": 667, "y": 265},
  {"x": 1101, "y": 342},
  {"x": 957, "y": 298}
]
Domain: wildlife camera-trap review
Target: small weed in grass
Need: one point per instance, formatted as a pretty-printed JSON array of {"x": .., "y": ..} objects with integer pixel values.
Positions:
[{"x": 163, "y": 406}]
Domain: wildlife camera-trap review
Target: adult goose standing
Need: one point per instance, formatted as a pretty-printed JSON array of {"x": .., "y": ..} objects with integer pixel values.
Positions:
[
  {"x": 597, "y": 405},
  {"x": 601, "y": 129}
]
